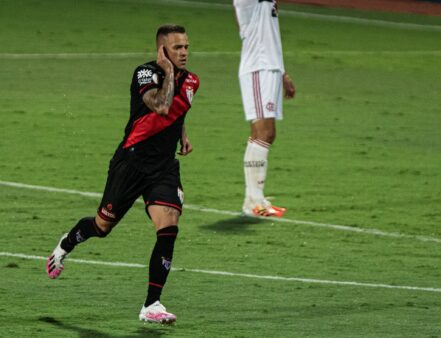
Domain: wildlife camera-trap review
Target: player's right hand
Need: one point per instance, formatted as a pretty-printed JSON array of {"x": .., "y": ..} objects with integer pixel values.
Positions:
[
  {"x": 163, "y": 61},
  {"x": 288, "y": 86}
]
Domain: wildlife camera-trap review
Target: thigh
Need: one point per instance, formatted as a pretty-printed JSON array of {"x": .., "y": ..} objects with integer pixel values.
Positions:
[
  {"x": 166, "y": 192},
  {"x": 124, "y": 185}
]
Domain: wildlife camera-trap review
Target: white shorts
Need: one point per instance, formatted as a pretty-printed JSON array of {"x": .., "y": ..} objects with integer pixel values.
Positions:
[{"x": 262, "y": 94}]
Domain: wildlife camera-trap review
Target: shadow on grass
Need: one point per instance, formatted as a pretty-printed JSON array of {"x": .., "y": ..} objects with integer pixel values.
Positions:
[
  {"x": 158, "y": 331},
  {"x": 233, "y": 225}
]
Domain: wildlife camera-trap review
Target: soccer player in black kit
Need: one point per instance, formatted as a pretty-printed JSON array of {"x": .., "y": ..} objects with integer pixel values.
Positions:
[{"x": 144, "y": 164}]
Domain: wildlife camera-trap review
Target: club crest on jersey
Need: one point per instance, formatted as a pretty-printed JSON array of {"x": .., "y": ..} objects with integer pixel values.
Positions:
[
  {"x": 190, "y": 93},
  {"x": 146, "y": 76}
]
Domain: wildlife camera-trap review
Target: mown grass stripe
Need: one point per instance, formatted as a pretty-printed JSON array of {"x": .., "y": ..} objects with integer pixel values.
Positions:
[
  {"x": 234, "y": 274},
  {"x": 370, "y": 231}
]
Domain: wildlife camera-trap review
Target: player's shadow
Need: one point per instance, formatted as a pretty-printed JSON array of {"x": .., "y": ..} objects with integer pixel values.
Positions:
[
  {"x": 87, "y": 333},
  {"x": 237, "y": 224}
]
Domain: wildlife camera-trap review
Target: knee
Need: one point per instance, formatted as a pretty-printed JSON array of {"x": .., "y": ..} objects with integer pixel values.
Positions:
[
  {"x": 264, "y": 133},
  {"x": 270, "y": 137},
  {"x": 104, "y": 227},
  {"x": 267, "y": 136}
]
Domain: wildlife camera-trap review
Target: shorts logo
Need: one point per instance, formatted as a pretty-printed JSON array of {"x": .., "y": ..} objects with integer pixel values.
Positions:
[
  {"x": 146, "y": 76},
  {"x": 181, "y": 195},
  {"x": 109, "y": 207},
  {"x": 270, "y": 106},
  {"x": 107, "y": 213}
]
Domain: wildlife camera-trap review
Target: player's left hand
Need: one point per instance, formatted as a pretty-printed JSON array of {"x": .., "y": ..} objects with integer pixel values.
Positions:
[
  {"x": 186, "y": 147},
  {"x": 288, "y": 86}
]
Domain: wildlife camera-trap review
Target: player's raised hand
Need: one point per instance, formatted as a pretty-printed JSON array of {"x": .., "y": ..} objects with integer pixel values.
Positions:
[
  {"x": 288, "y": 86},
  {"x": 163, "y": 61}
]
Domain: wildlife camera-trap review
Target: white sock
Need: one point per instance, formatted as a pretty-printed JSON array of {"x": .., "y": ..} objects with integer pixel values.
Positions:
[{"x": 255, "y": 167}]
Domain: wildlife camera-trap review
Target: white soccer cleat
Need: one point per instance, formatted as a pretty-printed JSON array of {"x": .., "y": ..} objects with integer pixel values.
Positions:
[
  {"x": 247, "y": 207},
  {"x": 54, "y": 264},
  {"x": 156, "y": 313}
]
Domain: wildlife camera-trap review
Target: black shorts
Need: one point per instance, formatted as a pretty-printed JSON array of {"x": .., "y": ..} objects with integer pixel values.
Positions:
[{"x": 125, "y": 184}]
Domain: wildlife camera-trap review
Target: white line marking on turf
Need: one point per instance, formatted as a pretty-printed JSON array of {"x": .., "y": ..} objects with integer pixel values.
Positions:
[
  {"x": 304, "y": 15},
  {"x": 232, "y": 274},
  {"x": 142, "y": 55},
  {"x": 370, "y": 231}
]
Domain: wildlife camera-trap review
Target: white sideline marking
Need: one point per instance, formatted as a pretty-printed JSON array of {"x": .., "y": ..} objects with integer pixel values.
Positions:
[
  {"x": 232, "y": 274},
  {"x": 303, "y": 15},
  {"x": 370, "y": 231},
  {"x": 124, "y": 55}
]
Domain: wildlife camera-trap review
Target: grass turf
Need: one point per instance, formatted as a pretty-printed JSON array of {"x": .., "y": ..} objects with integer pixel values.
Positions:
[{"x": 360, "y": 146}]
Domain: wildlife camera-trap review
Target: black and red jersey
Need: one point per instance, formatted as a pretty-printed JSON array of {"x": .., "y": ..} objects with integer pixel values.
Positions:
[{"x": 150, "y": 140}]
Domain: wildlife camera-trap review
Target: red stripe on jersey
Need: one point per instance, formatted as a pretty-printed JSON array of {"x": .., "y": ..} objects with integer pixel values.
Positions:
[{"x": 150, "y": 124}]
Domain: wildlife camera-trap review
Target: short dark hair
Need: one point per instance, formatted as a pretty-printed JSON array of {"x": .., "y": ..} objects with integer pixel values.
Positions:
[{"x": 169, "y": 28}]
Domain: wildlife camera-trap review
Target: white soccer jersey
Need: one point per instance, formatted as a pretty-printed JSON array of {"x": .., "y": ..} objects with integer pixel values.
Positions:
[{"x": 260, "y": 33}]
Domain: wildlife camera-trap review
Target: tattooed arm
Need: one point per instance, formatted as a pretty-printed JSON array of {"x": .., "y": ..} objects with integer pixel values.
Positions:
[{"x": 160, "y": 100}]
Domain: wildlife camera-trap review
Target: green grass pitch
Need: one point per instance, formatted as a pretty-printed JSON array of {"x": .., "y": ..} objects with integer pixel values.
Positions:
[{"x": 356, "y": 161}]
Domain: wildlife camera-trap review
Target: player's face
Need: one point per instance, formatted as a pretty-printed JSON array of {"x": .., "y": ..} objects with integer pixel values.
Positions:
[{"x": 176, "y": 45}]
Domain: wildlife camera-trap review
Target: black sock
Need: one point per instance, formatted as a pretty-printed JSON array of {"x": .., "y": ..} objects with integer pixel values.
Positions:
[
  {"x": 160, "y": 262},
  {"x": 85, "y": 228}
]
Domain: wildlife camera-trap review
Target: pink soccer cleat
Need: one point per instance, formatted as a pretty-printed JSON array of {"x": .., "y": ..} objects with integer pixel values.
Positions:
[
  {"x": 54, "y": 264},
  {"x": 156, "y": 313}
]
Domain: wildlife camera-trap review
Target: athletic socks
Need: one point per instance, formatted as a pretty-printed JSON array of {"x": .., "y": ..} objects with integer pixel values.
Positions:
[
  {"x": 255, "y": 168},
  {"x": 160, "y": 262},
  {"x": 85, "y": 228}
]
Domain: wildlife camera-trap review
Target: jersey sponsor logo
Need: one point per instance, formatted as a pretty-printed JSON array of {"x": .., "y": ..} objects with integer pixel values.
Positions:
[{"x": 146, "y": 76}]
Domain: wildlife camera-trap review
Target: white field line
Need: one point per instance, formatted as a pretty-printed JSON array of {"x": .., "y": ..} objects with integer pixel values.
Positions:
[
  {"x": 233, "y": 274},
  {"x": 370, "y": 231},
  {"x": 302, "y": 15},
  {"x": 142, "y": 55}
]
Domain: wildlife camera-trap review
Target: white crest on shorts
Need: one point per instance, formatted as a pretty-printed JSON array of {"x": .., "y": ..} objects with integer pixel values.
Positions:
[{"x": 181, "y": 195}]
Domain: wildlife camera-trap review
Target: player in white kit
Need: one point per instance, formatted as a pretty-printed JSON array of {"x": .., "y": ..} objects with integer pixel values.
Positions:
[{"x": 262, "y": 80}]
